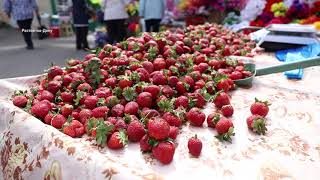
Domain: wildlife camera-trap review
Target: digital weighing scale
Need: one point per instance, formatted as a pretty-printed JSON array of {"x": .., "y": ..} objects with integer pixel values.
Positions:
[{"x": 283, "y": 36}]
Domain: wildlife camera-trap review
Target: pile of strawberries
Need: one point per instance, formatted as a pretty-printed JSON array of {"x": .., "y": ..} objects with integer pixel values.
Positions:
[{"x": 144, "y": 89}]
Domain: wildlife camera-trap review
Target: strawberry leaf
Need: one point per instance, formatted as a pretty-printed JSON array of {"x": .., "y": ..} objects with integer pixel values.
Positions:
[
  {"x": 79, "y": 96},
  {"x": 101, "y": 102},
  {"x": 123, "y": 137},
  {"x": 117, "y": 91},
  {"x": 135, "y": 77},
  {"x": 166, "y": 105},
  {"x": 152, "y": 142},
  {"x": 103, "y": 131},
  {"x": 231, "y": 62},
  {"x": 259, "y": 126},
  {"x": 58, "y": 98},
  {"x": 29, "y": 104},
  {"x": 93, "y": 68},
  {"x": 34, "y": 90},
  {"x": 112, "y": 102},
  {"x": 129, "y": 94},
  {"x": 75, "y": 84},
  {"x": 226, "y": 136}
]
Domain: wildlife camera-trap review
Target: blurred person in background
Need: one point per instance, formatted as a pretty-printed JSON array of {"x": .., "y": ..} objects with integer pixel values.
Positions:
[
  {"x": 22, "y": 11},
  {"x": 81, "y": 16},
  {"x": 115, "y": 16},
  {"x": 152, "y": 12}
]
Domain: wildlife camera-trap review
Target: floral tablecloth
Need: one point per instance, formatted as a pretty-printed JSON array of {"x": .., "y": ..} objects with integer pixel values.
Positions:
[{"x": 30, "y": 149}]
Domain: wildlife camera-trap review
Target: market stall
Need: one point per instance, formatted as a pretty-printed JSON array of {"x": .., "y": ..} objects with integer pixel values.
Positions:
[{"x": 177, "y": 104}]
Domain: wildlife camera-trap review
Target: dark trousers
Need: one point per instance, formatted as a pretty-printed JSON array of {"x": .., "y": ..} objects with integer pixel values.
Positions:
[
  {"x": 116, "y": 30},
  {"x": 152, "y": 25},
  {"x": 81, "y": 37},
  {"x": 26, "y": 25}
]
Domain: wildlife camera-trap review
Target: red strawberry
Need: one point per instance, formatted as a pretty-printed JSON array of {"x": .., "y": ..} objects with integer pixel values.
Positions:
[
  {"x": 75, "y": 114},
  {"x": 213, "y": 119},
  {"x": 225, "y": 128},
  {"x": 66, "y": 110},
  {"x": 189, "y": 81},
  {"x": 124, "y": 82},
  {"x": 181, "y": 101},
  {"x": 159, "y": 63},
  {"x": 235, "y": 75},
  {"x": 67, "y": 97},
  {"x": 84, "y": 115},
  {"x": 85, "y": 87},
  {"x": 173, "y": 80},
  {"x": 158, "y": 128},
  {"x": 111, "y": 82},
  {"x": 144, "y": 99},
  {"x": 148, "y": 66},
  {"x": 215, "y": 64},
  {"x": 48, "y": 118},
  {"x": 58, "y": 121},
  {"x": 131, "y": 108},
  {"x": 41, "y": 109},
  {"x": 46, "y": 95},
  {"x": 200, "y": 59},
  {"x": 203, "y": 67},
  {"x": 164, "y": 152},
  {"x": 153, "y": 90},
  {"x": 103, "y": 92},
  {"x": 149, "y": 113},
  {"x": 196, "y": 117},
  {"x": 54, "y": 86},
  {"x": 227, "y": 110},
  {"x": 144, "y": 144},
  {"x": 54, "y": 71},
  {"x": 159, "y": 79},
  {"x": 117, "y": 110},
  {"x": 120, "y": 124},
  {"x": 257, "y": 124},
  {"x": 100, "y": 112},
  {"x": 173, "y": 132},
  {"x": 67, "y": 79},
  {"x": 74, "y": 129},
  {"x": 167, "y": 91},
  {"x": 90, "y": 102},
  {"x": 172, "y": 119},
  {"x": 199, "y": 84},
  {"x": 135, "y": 131},
  {"x": 223, "y": 85},
  {"x": 196, "y": 75},
  {"x": 246, "y": 74},
  {"x": 195, "y": 146},
  {"x": 20, "y": 101},
  {"x": 144, "y": 75},
  {"x": 182, "y": 87},
  {"x": 221, "y": 99},
  {"x": 118, "y": 140},
  {"x": 260, "y": 108},
  {"x": 199, "y": 100},
  {"x": 112, "y": 120}
]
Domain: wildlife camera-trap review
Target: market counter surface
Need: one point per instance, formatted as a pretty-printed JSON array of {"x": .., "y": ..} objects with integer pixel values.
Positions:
[{"x": 29, "y": 149}]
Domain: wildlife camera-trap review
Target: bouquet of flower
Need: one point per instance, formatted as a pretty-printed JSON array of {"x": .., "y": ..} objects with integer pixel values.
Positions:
[
  {"x": 193, "y": 7},
  {"x": 132, "y": 8},
  {"x": 276, "y": 12},
  {"x": 227, "y": 5},
  {"x": 298, "y": 10}
]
